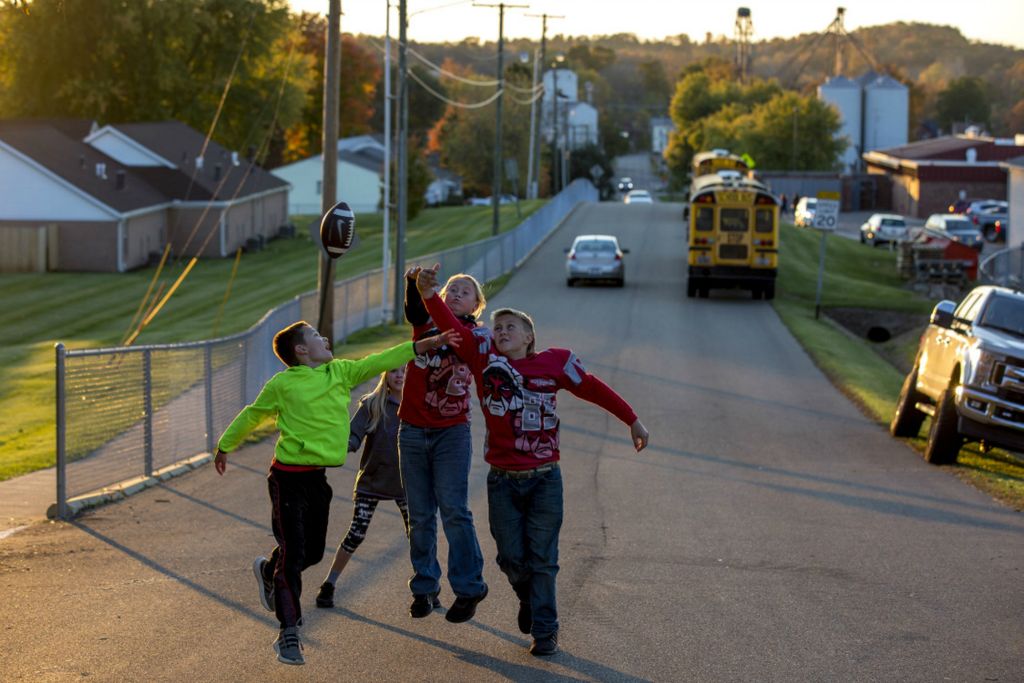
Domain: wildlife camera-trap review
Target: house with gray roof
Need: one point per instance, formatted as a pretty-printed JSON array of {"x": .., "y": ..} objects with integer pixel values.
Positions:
[
  {"x": 360, "y": 176},
  {"x": 77, "y": 196}
]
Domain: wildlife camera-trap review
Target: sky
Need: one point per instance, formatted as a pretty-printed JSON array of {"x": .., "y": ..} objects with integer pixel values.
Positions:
[{"x": 993, "y": 21}]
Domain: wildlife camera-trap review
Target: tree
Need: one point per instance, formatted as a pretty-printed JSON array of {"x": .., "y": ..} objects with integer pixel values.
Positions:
[
  {"x": 964, "y": 99},
  {"x": 583, "y": 160},
  {"x": 465, "y": 136},
  {"x": 357, "y": 89},
  {"x": 117, "y": 61}
]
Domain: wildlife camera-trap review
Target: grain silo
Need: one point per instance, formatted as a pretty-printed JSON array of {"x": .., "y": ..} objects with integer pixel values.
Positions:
[{"x": 845, "y": 96}]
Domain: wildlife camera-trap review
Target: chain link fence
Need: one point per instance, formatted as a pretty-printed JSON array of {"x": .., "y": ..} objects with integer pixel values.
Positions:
[{"x": 135, "y": 414}]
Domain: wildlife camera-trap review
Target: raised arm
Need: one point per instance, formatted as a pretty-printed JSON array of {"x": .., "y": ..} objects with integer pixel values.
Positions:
[
  {"x": 469, "y": 350},
  {"x": 415, "y": 312}
]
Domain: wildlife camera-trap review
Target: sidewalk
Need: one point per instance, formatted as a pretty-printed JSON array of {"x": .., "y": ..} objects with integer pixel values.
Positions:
[{"x": 25, "y": 499}]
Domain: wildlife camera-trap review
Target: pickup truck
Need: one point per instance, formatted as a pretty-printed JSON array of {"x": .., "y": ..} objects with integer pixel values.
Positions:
[{"x": 968, "y": 376}]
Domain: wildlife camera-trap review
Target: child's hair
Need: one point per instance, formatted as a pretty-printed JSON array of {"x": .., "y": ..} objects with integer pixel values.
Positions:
[
  {"x": 375, "y": 402},
  {"x": 526, "y": 320},
  {"x": 285, "y": 341},
  {"x": 481, "y": 300}
]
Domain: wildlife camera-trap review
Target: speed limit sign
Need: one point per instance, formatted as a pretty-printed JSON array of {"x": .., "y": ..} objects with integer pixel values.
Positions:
[{"x": 826, "y": 211}]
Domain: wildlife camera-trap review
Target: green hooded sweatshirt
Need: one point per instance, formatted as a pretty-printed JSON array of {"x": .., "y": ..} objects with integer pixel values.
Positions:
[{"x": 311, "y": 407}]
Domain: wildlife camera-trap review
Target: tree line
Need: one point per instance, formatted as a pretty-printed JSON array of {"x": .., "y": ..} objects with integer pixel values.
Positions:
[{"x": 161, "y": 59}]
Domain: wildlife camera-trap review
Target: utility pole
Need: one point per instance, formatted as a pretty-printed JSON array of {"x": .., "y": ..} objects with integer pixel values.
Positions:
[
  {"x": 403, "y": 162},
  {"x": 496, "y": 179},
  {"x": 388, "y": 156},
  {"x": 543, "y": 65},
  {"x": 329, "y": 186}
]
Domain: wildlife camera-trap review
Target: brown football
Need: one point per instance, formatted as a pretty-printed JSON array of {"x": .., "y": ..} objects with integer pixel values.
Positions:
[{"x": 338, "y": 230}]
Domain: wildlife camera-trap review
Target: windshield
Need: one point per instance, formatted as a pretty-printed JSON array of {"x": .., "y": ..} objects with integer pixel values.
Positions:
[
  {"x": 959, "y": 226},
  {"x": 893, "y": 223},
  {"x": 1004, "y": 313},
  {"x": 595, "y": 246}
]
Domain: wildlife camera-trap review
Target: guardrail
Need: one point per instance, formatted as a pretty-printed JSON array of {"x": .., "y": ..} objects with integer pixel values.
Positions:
[
  {"x": 1004, "y": 268},
  {"x": 131, "y": 416}
]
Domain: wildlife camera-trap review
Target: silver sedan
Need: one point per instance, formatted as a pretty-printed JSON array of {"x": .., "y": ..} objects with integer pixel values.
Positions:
[{"x": 595, "y": 257}]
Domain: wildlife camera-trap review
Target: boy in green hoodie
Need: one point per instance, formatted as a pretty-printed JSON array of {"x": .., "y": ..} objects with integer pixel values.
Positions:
[{"x": 310, "y": 401}]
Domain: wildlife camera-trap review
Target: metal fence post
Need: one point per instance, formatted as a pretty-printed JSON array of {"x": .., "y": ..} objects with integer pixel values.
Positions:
[
  {"x": 208, "y": 379},
  {"x": 62, "y": 482},
  {"x": 147, "y": 388}
]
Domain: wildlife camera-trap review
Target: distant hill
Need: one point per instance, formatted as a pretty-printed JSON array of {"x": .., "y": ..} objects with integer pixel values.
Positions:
[{"x": 926, "y": 57}]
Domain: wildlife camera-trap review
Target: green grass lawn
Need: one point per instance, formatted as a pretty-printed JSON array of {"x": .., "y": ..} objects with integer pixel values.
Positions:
[
  {"x": 861, "y": 277},
  {"x": 87, "y": 310}
]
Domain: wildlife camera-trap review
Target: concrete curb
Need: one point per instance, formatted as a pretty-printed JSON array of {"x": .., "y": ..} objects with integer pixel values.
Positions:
[{"x": 129, "y": 487}]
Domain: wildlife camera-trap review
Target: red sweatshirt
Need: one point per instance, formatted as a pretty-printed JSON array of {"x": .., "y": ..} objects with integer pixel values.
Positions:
[
  {"x": 436, "y": 392},
  {"x": 518, "y": 396}
]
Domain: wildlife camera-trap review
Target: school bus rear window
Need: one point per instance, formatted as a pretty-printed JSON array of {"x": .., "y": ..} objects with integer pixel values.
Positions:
[
  {"x": 705, "y": 218},
  {"x": 763, "y": 220},
  {"x": 734, "y": 220}
]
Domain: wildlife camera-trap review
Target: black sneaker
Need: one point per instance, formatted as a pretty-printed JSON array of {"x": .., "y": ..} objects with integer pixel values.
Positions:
[
  {"x": 264, "y": 585},
  {"x": 325, "y": 598},
  {"x": 463, "y": 609},
  {"x": 545, "y": 646},
  {"x": 422, "y": 605},
  {"x": 288, "y": 647}
]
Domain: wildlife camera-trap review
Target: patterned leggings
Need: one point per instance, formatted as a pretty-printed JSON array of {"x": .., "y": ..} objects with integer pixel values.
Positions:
[{"x": 363, "y": 508}]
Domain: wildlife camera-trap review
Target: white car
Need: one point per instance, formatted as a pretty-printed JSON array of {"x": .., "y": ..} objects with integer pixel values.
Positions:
[
  {"x": 638, "y": 197},
  {"x": 595, "y": 257},
  {"x": 882, "y": 228},
  {"x": 803, "y": 212}
]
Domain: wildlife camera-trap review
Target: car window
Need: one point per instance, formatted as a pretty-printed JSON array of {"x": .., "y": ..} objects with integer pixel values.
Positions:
[
  {"x": 894, "y": 223},
  {"x": 958, "y": 225},
  {"x": 1004, "y": 313},
  {"x": 593, "y": 246},
  {"x": 968, "y": 310}
]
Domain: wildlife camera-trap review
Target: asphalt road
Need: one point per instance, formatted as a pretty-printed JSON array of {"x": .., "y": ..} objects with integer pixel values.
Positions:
[{"x": 770, "y": 532}]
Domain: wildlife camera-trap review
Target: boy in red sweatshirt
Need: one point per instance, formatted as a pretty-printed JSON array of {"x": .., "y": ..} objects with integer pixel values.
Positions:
[
  {"x": 310, "y": 401},
  {"x": 517, "y": 388}
]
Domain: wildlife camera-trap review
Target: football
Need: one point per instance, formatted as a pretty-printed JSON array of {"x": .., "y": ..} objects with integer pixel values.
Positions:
[{"x": 338, "y": 230}]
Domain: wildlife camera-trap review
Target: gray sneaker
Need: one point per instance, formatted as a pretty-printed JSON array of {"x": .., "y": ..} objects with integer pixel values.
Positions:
[
  {"x": 288, "y": 646},
  {"x": 265, "y": 587}
]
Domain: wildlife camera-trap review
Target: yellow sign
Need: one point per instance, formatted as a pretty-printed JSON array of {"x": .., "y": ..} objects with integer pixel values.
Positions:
[
  {"x": 829, "y": 195},
  {"x": 734, "y": 197}
]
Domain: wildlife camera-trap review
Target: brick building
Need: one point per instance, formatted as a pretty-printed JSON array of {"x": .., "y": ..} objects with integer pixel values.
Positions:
[{"x": 929, "y": 175}]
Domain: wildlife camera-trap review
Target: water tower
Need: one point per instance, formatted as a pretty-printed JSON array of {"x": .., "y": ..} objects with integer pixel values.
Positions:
[{"x": 742, "y": 34}]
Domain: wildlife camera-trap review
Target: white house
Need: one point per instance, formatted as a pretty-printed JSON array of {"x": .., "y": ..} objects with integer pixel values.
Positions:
[
  {"x": 661, "y": 128},
  {"x": 360, "y": 177}
]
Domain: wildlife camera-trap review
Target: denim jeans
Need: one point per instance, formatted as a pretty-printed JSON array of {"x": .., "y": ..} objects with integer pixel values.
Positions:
[
  {"x": 525, "y": 517},
  {"x": 435, "y": 473}
]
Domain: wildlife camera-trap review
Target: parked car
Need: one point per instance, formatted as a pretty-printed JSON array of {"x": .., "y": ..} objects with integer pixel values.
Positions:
[
  {"x": 882, "y": 228},
  {"x": 625, "y": 184},
  {"x": 987, "y": 216},
  {"x": 961, "y": 205},
  {"x": 955, "y": 227},
  {"x": 968, "y": 376},
  {"x": 803, "y": 214},
  {"x": 595, "y": 257},
  {"x": 638, "y": 197},
  {"x": 486, "y": 201}
]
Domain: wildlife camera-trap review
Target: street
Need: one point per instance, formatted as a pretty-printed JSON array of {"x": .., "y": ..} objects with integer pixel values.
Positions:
[{"x": 770, "y": 531}]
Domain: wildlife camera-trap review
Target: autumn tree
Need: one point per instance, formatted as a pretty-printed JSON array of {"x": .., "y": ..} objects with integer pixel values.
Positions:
[
  {"x": 964, "y": 99},
  {"x": 360, "y": 73},
  {"x": 117, "y": 61}
]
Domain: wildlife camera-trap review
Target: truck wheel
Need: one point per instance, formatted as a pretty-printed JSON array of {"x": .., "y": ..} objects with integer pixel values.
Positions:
[
  {"x": 769, "y": 291},
  {"x": 569, "y": 282},
  {"x": 756, "y": 292},
  {"x": 907, "y": 419},
  {"x": 702, "y": 291},
  {"x": 691, "y": 288},
  {"x": 944, "y": 441}
]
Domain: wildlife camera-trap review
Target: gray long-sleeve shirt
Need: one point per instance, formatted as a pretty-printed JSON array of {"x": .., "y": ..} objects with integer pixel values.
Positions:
[{"x": 379, "y": 475}]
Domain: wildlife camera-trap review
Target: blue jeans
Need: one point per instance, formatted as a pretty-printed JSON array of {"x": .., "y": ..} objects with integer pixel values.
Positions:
[
  {"x": 525, "y": 517},
  {"x": 435, "y": 473}
]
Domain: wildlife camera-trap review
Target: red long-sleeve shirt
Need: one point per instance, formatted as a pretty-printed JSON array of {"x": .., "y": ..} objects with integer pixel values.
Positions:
[
  {"x": 518, "y": 395},
  {"x": 436, "y": 393}
]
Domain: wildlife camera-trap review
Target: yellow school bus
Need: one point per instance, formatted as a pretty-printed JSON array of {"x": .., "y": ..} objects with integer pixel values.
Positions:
[
  {"x": 706, "y": 163},
  {"x": 734, "y": 235}
]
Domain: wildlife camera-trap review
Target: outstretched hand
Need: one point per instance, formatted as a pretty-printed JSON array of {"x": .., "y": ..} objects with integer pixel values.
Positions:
[
  {"x": 639, "y": 434},
  {"x": 450, "y": 338},
  {"x": 413, "y": 272},
  {"x": 426, "y": 280}
]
